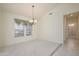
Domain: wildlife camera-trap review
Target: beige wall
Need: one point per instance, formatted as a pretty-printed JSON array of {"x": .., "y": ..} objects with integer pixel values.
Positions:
[
  {"x": 8, "y": 28},
  {"x": 0, "y": 23},
  {"x": 50, "y": 27},
  {"x": 1, "y": 29}
]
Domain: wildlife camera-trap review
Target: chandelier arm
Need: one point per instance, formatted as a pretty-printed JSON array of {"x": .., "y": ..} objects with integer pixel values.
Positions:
[{"x": 33, "y": 17}]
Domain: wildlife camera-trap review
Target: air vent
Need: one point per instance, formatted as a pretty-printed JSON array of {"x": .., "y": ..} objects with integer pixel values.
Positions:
[{"x": 50, "y": 13}]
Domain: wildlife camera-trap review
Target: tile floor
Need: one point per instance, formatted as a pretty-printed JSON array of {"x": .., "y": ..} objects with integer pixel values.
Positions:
[
  {"x": 70, "y": 48},
  {"x": 66, "y": 52}
]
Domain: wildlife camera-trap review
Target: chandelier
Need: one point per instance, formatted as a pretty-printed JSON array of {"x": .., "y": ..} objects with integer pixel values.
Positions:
[{"x": 33, "y": 20}]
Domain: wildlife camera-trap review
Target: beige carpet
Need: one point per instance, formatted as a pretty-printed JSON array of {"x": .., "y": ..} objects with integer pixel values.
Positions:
[{"x": 31, "y": 48}]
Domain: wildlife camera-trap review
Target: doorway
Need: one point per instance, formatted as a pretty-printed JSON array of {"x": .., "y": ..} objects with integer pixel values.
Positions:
[{"x": 71, "y": 30}]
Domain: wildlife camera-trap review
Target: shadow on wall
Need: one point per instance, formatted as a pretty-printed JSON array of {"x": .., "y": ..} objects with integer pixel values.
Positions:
[
  {"x": 2, "y": 42},
  {"x": 2, "y": 35},
  {"x": 2, "y": 46}
]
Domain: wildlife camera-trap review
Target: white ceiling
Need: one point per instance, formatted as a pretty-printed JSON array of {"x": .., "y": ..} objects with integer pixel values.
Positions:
[{"x": 25, "y": 9}]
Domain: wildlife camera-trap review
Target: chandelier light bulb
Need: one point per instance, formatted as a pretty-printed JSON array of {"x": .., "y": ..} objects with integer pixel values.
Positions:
[
  {"x": 35, "y": 21},
  {"x": 31, "y": 21}
]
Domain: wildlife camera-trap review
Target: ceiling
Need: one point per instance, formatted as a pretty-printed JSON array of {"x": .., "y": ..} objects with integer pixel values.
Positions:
[{"x": 25, "y": 9}]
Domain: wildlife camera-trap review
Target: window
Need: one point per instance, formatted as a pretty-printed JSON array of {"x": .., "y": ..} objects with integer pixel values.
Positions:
[
  {"x": 19, "y": 30},
  {"x": 22, "y": 28},
  {"x": 28, "y": 29}
]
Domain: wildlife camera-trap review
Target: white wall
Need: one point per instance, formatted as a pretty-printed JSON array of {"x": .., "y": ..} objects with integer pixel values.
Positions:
[
  {"x": 9, "y": 29},
  {"x": 50, "y": 27}
]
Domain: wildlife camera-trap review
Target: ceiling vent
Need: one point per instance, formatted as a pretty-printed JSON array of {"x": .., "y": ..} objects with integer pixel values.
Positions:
[{"x": 50, "y": 13}]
